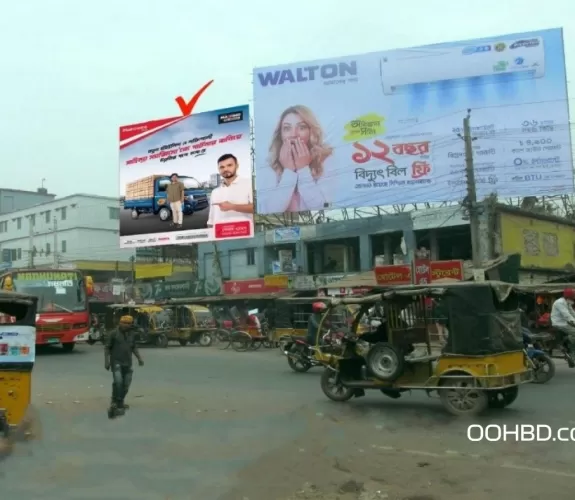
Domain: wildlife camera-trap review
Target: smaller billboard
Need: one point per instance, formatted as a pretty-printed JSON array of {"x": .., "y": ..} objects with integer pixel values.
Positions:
[
  {"x": 167, "y": 171},
  {"x": 425, "y": 272}
]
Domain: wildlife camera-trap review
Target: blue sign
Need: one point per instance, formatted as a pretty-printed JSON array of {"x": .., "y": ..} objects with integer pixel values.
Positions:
[
  {"x": 287, "y": 234},
  {"x": 383, "y": 128}
]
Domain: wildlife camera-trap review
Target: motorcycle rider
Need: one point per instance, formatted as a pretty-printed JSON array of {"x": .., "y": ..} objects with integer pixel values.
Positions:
[
  {"x": 563, "y": 319},
  {"x": 318, "y": 309}
]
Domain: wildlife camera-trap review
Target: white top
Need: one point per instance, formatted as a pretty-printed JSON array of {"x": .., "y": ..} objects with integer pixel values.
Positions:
[
  {"x": 239, "y": 192},
  {"x": 407, "y": 316},
  {"x": 274, "y": 197},
  {"x": 561, "y": 313}
]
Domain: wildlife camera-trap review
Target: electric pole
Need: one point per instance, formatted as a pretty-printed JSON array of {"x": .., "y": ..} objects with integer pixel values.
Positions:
[
  {"x": 55, "y": 243},
  {"x": 30, "y": 243},
  {"x": 471, "y": 198}
]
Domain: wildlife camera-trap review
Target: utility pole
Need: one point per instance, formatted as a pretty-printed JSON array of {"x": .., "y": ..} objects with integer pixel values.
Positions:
[
  {"x": 55, "y": 243},
  {"x": 30, "y": 243},
  {"x": 471, "y": 198}
]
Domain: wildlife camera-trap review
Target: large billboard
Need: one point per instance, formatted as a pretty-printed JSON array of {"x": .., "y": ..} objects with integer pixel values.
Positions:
[
  {"x": 167, "y": 189},
  {"x": 384, "y": 128}
]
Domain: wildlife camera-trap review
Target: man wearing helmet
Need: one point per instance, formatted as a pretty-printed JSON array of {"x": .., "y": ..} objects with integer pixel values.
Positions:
[
  {"x": 563, "y": 319},
  {"x": 318, "y": 308}
]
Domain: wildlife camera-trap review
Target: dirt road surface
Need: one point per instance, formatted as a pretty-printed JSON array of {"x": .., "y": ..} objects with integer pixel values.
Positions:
[{"x": 218, "y": 425}]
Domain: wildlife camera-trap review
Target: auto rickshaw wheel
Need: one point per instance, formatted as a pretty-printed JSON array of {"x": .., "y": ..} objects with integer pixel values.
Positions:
[
  {"x": 504, "y": 397},
  {"x": 385, "y": 362},
  {"x": 333, "y": 388},
  {"x": 162, "y": 341},
  {"x": 183, "y": 342},
  {"x": 464, "y": 397},
  {"x": 205, "y": 340},
  {"x": 223, "y": 338}
]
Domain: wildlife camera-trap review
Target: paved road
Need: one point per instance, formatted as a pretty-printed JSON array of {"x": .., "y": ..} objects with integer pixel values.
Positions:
[
  {"x": 218, "y": 425},
  {"x": 150, "y": 223}
]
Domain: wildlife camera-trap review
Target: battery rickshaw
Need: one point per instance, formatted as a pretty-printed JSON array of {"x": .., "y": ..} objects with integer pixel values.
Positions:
[
  {"x": 476, "y": 361},
  {"x": 151, "y": 322}
]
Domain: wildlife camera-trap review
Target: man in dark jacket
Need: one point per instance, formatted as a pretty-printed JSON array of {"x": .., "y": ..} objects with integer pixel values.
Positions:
[{"x": 120, "y": 347}]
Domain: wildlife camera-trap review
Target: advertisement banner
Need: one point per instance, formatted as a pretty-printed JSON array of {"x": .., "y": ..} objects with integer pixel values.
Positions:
[
  {"x": 382, "y": 128},
  {"x": 162, "y": 290},
  {"x": 287, "y": 234},
  {"x": 166, "y": 167},
  {"x": 401, "y": 274},
  {"x": 104, "y": 292},
  {"x": 276, "y": 281},
  {"x": 247, "y": 287},
  {"x": 313, "y": 282}
]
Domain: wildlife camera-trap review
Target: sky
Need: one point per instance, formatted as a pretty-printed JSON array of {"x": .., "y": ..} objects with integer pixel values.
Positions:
[{"x": 73, "y": 72}]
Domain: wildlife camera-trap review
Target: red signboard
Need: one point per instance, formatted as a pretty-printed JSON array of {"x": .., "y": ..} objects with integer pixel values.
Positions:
[
  {"x": 442, "y": 269},
  {"x": 401, "y": 274},
  {"x": 421, "y": 271},
  {"x": 246, "y": 287}
]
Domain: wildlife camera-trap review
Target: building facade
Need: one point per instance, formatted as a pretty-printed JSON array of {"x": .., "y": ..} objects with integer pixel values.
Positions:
[
  {"x": 12, "y": 200},
  {"x": 62, "y": 232}
]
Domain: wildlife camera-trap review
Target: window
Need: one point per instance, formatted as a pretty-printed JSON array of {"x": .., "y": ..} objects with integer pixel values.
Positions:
[
  {"x": 4, "y": 227},
  {"x": 19, "y": 223},
  {"x": 63, "y": 213},
  {"x": 47, "y": 215},
  {"x": 251, "y": 256},
  {"x": 163, "y": 185},
  {"x": 32, "y": 219},
  {"x": 48, "y": 249},
  {"x": 19, "y": 253},
  {"x": 114, "y": 213},
  {"x": 63, "y": 246}
]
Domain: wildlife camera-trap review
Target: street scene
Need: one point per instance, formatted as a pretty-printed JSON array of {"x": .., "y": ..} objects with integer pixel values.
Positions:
[
  {"x": 337, "y": 268},
  {"x": 207, "y": 423}
]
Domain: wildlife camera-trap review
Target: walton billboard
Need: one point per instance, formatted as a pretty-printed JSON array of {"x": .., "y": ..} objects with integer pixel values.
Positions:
[{"x": 383, "y": 128}]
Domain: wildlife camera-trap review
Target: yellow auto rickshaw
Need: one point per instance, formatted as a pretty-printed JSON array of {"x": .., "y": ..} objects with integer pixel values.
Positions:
[
  {"x": 191, "y": 323},
  {"x": 17, "y": 357},
  {"x": 462, "y": 341},
  {"x": 152, "y": 323}
]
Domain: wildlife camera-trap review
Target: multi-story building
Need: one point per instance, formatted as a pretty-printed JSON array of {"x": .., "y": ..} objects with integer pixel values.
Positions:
[{"x": 73, "y": 231}]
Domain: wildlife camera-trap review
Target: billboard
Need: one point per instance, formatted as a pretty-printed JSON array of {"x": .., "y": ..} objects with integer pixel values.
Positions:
[
  {"x": 159, "y": 208},
  {"x": 382, "y": 128}
]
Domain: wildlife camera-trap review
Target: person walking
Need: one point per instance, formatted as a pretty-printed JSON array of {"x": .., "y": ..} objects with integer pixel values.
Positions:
[
  {"x": 120, "y": 347},
  {"x": 176, "y": 193}
]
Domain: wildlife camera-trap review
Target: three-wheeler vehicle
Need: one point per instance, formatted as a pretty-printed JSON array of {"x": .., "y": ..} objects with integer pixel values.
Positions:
[
  {"x": 191, "y": 323},
  {"x": 17, "y": 357},
  {"x": 151, "y": 322},
  {"x": 478, "y": 361}
]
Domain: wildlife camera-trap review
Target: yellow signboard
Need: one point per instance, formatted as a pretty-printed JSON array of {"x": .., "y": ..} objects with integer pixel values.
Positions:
[
  {"x": 46, "y": 276},
  {"x": 276, "y": 281},
  {"x": 160, "y": 270},
  {"x": 541, "y": 243}
]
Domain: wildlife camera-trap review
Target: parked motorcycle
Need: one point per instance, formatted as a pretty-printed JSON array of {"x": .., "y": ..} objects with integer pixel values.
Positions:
[
  {"x": 542, "y": 364},
  {"x": 301, "y": 355}
]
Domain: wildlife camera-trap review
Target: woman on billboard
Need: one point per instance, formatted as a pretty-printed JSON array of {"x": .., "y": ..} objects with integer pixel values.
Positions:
[{"x": 296, "y": 179}]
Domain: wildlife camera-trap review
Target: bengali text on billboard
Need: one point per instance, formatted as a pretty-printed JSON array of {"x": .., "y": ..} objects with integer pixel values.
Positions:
[
  {"x": 209, "y": 197},
  {"x": 384, "y": 128}
]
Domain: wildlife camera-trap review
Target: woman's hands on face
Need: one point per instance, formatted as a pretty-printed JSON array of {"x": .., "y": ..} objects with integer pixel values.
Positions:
[{"x": 301, "y": 154}]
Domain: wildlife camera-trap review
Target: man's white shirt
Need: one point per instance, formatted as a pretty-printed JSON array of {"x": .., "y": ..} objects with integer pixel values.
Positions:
[
  {"x": 238, "y": 192},
  {"x": 562, "y": 313}
]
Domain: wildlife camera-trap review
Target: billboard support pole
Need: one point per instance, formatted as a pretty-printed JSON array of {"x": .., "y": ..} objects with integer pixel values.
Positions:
[{"x": 471, "y": 200}]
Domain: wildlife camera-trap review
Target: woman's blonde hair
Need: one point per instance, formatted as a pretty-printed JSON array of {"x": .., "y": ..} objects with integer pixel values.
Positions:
[{"x": 318, "y": 149}]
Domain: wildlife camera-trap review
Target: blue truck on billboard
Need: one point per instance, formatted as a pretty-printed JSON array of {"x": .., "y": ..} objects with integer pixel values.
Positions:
[
  {"x": 149, "y": 195},
  {"x": 384, "y": 128},
  {"x": 166, "y": 172}
]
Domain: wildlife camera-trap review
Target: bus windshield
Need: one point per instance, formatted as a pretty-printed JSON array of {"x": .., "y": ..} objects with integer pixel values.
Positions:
[{"x": 56, "y": 291}]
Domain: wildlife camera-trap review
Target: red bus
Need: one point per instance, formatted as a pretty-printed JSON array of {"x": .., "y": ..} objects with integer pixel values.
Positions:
[{"x": 63, "y": 316}]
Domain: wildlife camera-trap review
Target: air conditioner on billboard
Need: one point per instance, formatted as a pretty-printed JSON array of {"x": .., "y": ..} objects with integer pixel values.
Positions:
[{"x": 464, "y": 65}]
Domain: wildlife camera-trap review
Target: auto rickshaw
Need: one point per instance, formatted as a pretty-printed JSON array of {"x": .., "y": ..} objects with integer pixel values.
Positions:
[
  {"x": 17, "y": 357},
  {"x": 151, "y": 322},
  {"x": 477, "y": 361},
  {"x": 191, "y": 323}
]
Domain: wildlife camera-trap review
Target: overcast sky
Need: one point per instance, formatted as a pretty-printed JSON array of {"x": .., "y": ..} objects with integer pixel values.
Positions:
[{"x": 73, "y": 72}]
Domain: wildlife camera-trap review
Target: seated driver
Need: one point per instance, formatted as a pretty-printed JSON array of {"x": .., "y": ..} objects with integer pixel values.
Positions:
[
  {"x": 318, "y": 310},
  {"x": 563, "y": 319}
]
